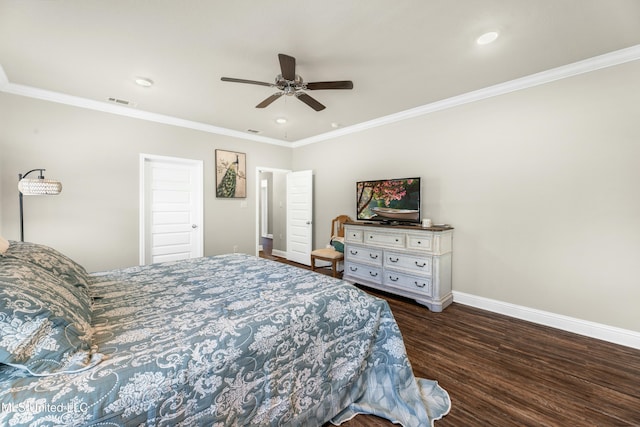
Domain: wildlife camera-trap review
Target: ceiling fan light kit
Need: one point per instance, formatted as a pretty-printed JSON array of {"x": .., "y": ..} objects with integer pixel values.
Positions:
[{"x": 291, "y": 84}]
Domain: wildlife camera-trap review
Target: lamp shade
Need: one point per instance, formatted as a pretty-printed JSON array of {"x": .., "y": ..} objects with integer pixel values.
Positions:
[{"x": 39, "y": 186}]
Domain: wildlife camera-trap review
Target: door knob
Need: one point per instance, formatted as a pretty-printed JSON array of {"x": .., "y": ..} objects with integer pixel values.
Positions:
[{"x": 194, "y": 226}]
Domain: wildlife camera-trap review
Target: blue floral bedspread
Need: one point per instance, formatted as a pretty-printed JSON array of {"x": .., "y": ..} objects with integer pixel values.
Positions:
[{"x": 230, "y": 340}]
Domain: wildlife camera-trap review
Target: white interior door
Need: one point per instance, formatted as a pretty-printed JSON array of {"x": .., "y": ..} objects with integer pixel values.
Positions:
[
  {"x": 299, "y": 216},
  {"x": 171, "y": 209}
]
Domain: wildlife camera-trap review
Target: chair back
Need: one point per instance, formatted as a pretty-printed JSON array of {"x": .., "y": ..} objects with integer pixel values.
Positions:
[{"x": 337, "y": 225}]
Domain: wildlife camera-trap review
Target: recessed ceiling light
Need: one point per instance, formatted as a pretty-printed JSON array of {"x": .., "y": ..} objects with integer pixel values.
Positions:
[
  {"x": 487, "y": 38},
  {"x": 143, "y": 81},
  {"x": 335, "y": 125},
  {"x": 281, "y": 120}
]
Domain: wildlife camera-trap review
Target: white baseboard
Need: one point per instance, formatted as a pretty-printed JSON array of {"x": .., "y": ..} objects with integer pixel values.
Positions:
[
  {"x": 278, "y": 252},
  {"x": 582, "y": 327}
]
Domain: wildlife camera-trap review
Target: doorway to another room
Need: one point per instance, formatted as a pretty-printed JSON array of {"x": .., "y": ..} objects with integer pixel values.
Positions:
[
  {"x": 284, "y": 209},
  {"x": 271, "y": 229}
]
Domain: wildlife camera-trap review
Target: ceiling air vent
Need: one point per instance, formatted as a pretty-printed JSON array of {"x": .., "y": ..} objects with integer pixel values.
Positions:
[
  {"x": 121, "y": 101},
  {"x": 253, "y": 131}
]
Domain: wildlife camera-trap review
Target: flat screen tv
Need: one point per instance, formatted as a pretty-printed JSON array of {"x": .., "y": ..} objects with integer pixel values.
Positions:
[{"x": 389, "y": 200}]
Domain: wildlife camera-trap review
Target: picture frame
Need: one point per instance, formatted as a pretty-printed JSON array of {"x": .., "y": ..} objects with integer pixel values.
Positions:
[{"x": 231, "y": 174}]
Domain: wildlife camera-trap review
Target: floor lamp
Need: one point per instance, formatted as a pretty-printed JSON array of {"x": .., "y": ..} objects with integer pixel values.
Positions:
[{"x": 35, "y": 187}]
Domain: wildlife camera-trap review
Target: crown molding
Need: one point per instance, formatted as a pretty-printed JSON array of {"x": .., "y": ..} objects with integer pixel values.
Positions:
[
  {"x": 4, "y": 80},
  {"x": 61, "y": 98},
  {"x": 585, "y": 66}
]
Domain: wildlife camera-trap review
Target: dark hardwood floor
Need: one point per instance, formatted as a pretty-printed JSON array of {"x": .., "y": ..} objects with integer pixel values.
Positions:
[
  {"x": 267, "y": 249},
  {"x": 501, "y": 371}
]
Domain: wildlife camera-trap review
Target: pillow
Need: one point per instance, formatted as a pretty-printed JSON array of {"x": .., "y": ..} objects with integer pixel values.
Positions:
[
  {"x": 45, "y": 322},
  {"x": 4, "y": 245},
  {"x": 51, "y": 260},
  {"x": 337, "y": 243}
]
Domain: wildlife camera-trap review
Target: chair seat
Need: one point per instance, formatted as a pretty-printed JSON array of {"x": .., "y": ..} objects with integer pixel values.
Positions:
[{"x": 328, "y": 253}]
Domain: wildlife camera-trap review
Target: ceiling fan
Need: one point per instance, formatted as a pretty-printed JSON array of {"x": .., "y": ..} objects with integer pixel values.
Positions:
[{"x": 291, "y": 84}]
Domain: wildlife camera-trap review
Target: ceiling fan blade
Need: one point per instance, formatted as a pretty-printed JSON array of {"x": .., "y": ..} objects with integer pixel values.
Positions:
[
  {"x": 287, "y": 66},
  {"x": 252, "y": 82},
  {"x": 344, "y": 84},
  {"x": 269, "y": 100},
  {"x": 311, "y": 102}
]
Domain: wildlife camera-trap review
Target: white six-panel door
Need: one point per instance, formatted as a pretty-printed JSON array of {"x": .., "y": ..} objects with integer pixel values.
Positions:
[
  {"x": 171, "y": 209},
  {"x": 299, "y": 216}
]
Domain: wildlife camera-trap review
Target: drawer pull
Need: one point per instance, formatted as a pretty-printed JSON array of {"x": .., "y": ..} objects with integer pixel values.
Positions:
[
  {"x": 353, "y": 268},
  {"x": 394, "y": 260},
  {"x": 420, "y": 285},
  {"x": 373, "y": 274},
  {"x": 373, "y": 256},
  {"x": 352, "y": 252},
  {"x": 423, "y": 264},
  {"x": 394, "y": 280}
]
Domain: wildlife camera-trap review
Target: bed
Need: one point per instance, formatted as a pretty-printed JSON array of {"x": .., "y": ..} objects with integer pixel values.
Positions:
[{"x": 228, "y": 340}]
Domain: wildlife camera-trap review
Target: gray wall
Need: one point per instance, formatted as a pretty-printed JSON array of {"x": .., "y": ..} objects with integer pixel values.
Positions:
[
  {"x": 541, "y": 185},
  {"x": 96, "y": 156}
]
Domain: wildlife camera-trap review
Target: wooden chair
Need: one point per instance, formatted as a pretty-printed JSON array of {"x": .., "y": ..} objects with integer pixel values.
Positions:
[{"x": 330, "y": 254}]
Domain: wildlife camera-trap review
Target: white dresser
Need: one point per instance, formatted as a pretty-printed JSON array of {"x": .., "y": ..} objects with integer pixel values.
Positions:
[{"x": 411, "y": 261}]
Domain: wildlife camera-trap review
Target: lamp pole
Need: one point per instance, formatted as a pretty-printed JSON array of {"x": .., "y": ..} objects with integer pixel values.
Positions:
[{"x": 21, "y": 220}]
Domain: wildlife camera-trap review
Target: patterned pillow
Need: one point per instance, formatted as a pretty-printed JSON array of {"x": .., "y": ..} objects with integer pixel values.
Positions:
[
  {"x": 45, "y": 322},
  {"x": 51, "y": 260},
  {"x": 337, "y": 243}
]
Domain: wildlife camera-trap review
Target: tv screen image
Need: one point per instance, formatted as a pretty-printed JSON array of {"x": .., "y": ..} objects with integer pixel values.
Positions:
[{"x": 389, "y": 200}]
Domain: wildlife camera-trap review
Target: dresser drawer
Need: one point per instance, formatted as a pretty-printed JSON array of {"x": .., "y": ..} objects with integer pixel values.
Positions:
[
  {"x": 408, "y": 282},
  {"x": 365, "y": 272},
  {"x": 362, "y": 254},
  {"x": 424, "y": 242},
  {"x": 421, "y": 264},
  {"x": 354, "y": 236},
  {"x": 395, "y": 240}
]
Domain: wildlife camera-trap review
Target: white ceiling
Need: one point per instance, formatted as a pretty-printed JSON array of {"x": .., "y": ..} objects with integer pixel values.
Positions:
[{"x": 400, "y": 54}]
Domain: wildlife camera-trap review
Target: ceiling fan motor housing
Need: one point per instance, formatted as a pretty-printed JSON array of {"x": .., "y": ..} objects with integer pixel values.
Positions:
[{"x": 289, "y": 86}]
